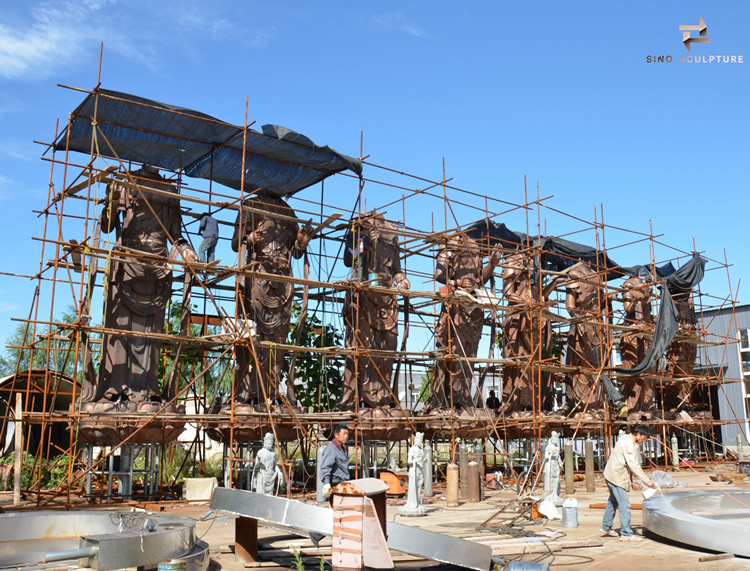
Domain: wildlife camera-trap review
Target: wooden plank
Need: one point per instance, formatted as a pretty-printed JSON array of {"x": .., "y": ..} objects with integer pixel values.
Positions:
[
  {"x": 603, "y": 506},
  {"x": 717, "y": 557},
  {"x": 542, "y": 546},
  {"x": 246, "y": 539},
  {"x": 101, "y": 176},
  {"x": 205, "y": 319}
]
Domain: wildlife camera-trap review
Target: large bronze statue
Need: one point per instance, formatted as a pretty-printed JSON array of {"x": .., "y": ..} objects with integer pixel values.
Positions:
[
  {"x": 267, "y": 235},
  {"x": 371, "y": 317},
  {"x": 638, "y": 390},
  {"x": 526, "y": 333},
  {"x": 460, "y": 267},
  {"x": 138, "y": 284},
  {"x": 681, "y": 356},
  {"x": 586, "y": 302}
]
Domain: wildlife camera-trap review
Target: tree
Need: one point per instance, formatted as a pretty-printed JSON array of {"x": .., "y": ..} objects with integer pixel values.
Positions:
[
  {"x": 55, "y": 351},
  {"x": 425, "y": 388},
  {"x": 193, "y": 357},
  {"x": 318, "y": 381}
]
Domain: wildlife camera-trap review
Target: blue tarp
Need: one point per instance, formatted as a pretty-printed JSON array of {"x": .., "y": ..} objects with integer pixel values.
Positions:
[{"x": 278, "y": 160}]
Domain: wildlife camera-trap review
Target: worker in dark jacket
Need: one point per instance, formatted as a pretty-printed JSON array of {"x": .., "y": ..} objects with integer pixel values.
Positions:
[
  {"x": 334, "y": 461},
  {"x": 209, "y": 229}
]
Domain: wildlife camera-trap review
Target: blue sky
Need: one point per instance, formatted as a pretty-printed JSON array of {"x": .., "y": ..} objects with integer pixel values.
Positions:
[{"x": 557, "y": 91}]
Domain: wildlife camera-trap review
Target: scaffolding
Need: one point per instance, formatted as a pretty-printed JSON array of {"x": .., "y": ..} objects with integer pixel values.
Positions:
[{"x": 199, "y": 344}]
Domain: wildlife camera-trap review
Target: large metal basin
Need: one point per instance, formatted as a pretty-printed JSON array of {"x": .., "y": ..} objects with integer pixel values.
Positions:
[
  {"x": 98, "y": 539},
  {"x": 711, "y": 519}
]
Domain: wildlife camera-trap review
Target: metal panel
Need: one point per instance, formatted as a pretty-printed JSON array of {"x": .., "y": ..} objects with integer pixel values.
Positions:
[
  {"x": 296, "y": 516},
  {"x": 731, "y": 398},
  {"x": 138, "y": 549},
  {"x": 439, "y": 547},
  {"x": 709, "y": 519},
  {"x": 305, "y": 518}
]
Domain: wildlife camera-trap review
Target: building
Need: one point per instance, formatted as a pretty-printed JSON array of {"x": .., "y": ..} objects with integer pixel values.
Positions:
[{"x": 727, "y": 355}]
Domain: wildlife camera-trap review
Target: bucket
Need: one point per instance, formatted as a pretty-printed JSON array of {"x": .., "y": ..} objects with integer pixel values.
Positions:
[
  {"x": 570, "y": 513},
  {"x": 171, "y": 566}
]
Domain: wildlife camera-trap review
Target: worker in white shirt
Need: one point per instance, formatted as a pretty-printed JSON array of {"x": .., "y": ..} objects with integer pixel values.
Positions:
[{"x": 624, "y": 464}]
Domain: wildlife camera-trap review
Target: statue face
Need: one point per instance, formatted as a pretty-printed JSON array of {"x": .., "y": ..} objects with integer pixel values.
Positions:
[{"x": 268, "y": 441}]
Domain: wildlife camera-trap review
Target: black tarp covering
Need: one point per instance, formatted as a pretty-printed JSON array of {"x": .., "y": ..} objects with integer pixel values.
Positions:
[
  {"x": 278, "y": 160},
  {"x": 668, "y": 323},
  {"x": 559, "y": 254}
]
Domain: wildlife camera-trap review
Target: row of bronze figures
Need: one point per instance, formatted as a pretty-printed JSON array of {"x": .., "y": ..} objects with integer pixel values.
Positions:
[{"x": 267, "y": 236}]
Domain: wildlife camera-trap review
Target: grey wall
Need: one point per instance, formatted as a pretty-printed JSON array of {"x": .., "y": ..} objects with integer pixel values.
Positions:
[{"x": 720, "y": 325}]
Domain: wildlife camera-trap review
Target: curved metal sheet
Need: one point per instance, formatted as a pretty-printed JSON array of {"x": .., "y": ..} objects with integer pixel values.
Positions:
[
  {"x": 303, "y": 518},
  {"x": 715, "y": 520}
]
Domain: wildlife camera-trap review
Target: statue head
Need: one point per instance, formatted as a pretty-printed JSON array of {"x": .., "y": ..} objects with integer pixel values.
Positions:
[
  {"x": 554, "y": 437},
  {"x": 268, "y": 441},
  {"x": 418, "y": 438},
  {"x": 582, "y": 270}
]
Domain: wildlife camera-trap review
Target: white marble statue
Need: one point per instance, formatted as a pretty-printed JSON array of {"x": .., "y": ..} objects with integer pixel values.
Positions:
[
  {"x": 415, "y": 458},
  {"x": 551, "y": 470},
  {"x": 267, "y": 476}
]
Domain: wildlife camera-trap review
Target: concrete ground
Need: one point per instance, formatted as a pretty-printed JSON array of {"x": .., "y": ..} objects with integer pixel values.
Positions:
[
  {"x": 464, "y": 521},
  {"x": 608, "y": 553}
]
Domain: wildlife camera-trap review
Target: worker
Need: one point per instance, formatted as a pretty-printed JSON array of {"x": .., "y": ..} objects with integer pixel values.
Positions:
[
  {"x": 623, "y": 464},
  {"x": 334, "y": 461},
  {"x": 493, "y": 403},
  {"x": 209, "y": 229}
]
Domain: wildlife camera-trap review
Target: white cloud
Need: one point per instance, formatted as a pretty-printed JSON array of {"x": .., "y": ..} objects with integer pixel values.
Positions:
[
  {"x": 397, "y": 21},
  {"x": 55, "y": 34},
  {"x": 204, "y": 20},
  {"x": 196, "y": 20}
]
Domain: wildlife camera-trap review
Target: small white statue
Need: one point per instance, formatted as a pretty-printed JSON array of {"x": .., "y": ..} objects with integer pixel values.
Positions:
[
  {"x": 267, "y": 476},
  {"x": 415, "y": 458},
  {"x": 551, "y": 470}
]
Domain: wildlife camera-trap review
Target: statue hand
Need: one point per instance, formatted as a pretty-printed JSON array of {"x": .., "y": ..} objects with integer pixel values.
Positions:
[
  {"x": 113, "y": 192},
  {"x": 304, "y": 235},
  {"x": 189, "y": 255},
  {"x": 183, "y": 249},
  {"x": 186, "y": 250},
  {"x": 252, "y": 238},
  {"x": 495, "y": 255},
  {"x": 372, "y": 235},
  {"x": 401, "y": 282}
]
